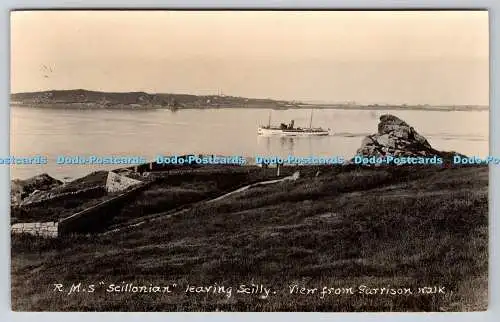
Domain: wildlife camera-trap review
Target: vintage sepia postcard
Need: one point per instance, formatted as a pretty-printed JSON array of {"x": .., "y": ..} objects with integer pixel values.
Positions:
[{"x": 180, "y": 160}]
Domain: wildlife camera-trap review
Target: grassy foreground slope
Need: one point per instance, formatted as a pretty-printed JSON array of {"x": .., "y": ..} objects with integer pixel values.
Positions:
[{"x": 398, "y": 228}]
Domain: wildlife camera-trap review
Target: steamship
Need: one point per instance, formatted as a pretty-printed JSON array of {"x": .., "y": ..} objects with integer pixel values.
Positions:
[{"x": 290, "y": 129}]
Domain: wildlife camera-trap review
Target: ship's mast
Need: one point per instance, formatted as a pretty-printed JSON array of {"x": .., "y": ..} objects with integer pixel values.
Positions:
[
  {"x": 269, "y": 120},
  {"x": 311, "y": 120}
]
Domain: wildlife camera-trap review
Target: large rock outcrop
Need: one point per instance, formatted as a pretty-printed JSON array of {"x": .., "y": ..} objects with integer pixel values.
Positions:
[
  {"x": 396, "y": 138},
  {"x": 43, "y": 187},
  {"x": 21, "y": 189}
]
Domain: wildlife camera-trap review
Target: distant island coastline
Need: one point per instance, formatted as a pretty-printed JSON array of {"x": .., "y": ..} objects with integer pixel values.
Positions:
[{"x": 81, "y": 98}]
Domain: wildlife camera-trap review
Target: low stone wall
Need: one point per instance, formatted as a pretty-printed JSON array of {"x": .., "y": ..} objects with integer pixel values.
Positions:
[
  {"x": 93, "y": 192},
  {"x": 45, "y": 229},
  {"x": 94, "y": 219}
]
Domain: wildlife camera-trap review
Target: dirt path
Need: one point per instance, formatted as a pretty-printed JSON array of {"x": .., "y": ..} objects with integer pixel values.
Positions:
[{"x": 262, "y": 183}]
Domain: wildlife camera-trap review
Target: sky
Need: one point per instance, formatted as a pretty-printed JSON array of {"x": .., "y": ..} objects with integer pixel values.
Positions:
[{"x": 367, "y": 57}]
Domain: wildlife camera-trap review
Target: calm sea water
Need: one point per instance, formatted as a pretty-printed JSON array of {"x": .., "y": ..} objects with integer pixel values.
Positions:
[{"x": 53, "y": 132}]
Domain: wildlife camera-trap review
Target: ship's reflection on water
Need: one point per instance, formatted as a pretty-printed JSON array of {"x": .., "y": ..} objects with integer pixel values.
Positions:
[
  {"x": 286, "y": 143},
  {"x": 289, "y": 144}
]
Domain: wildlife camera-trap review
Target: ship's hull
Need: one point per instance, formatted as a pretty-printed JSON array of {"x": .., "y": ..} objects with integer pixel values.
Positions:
[{"x": 292, "y": 132}]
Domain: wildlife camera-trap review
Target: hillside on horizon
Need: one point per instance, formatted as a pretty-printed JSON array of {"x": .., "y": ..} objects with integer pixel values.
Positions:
[
  {"x": 133, "y": 99},
  {"x": 174, "y": 101}
]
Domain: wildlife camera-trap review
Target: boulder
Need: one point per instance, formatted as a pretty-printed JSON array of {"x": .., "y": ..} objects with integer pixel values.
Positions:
[
  {"x": 118, "y": 183},
  {"x": 397, "y": 138}
]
